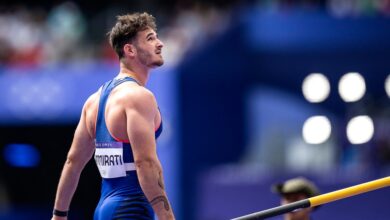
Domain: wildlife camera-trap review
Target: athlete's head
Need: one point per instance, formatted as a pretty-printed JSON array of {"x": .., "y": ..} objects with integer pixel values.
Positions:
[{"x": 134, "y": 36}]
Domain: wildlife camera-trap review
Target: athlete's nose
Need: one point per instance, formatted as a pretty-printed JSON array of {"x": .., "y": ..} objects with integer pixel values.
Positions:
[{"x": 160, "y": 44}]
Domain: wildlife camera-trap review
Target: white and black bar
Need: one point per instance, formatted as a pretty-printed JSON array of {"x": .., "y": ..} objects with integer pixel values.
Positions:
[{"x": 276, "y": 211}]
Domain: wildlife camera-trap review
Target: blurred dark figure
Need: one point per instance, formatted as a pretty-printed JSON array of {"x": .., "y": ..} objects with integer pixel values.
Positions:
[{"x": 294, "y": 190}]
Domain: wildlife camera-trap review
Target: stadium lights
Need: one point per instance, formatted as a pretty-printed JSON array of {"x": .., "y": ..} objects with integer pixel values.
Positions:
[
  {"x": 360, "y": 129},
  {"x": 352, "y": 87},
  {"x": 315, "y": 87},
  {"x": 316, "y": 130},
  {"x": 387, "y": 85}
]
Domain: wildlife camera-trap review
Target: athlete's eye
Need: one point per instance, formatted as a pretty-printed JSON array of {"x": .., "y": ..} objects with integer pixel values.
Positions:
[{"x": 151, "y": 38}]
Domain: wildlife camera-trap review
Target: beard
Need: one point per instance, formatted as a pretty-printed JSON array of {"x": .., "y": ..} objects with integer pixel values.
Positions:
[{"x": 149, "y": 59}]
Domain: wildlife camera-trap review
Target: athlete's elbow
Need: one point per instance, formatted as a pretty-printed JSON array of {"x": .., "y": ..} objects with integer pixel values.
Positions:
[
  {"x": 73, "y": 162},
  {"x": 145, "y": 163}
]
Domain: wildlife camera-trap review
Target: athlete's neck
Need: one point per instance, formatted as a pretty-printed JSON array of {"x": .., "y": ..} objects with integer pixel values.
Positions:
[{"x": 139, "y": 74}]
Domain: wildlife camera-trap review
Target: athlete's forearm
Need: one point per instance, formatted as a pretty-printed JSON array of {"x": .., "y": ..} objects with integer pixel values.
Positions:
[
  {"x": 152, "y": 183},
  {"x": 67, "y": 186}
]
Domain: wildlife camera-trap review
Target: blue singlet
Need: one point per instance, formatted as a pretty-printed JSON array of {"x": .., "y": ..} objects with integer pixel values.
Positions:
[{"x": 121, "y": 193}]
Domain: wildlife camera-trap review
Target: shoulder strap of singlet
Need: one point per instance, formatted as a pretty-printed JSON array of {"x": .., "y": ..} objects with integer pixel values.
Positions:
[{"x": 102, "y": 134}]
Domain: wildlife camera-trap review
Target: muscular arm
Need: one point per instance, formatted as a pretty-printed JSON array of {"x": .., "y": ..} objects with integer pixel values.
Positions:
[
  {"x": 79, "y": 154},
  {"x": 140, "y": 113}
]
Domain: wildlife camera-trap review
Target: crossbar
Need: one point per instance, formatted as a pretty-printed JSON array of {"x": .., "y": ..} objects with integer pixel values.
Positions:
[{"x": 319, "y": 200}]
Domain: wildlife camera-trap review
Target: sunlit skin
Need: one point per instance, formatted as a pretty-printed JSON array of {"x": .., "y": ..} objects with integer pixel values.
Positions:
[
  {"x": 302, "y": 214},
  {"x": 149, "y": 48},
  {"x": 142, "y": 54}
]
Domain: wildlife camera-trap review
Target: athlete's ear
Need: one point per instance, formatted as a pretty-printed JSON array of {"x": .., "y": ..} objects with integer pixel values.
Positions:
[{"x": 129, "y": 50}]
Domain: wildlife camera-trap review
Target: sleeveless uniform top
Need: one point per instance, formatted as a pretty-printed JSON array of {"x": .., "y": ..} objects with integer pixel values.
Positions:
[{"x": 114, "y": 159}]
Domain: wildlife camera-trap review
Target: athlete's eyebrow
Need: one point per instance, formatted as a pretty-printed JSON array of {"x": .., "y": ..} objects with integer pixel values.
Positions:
[{"x": 148, "y": 35}]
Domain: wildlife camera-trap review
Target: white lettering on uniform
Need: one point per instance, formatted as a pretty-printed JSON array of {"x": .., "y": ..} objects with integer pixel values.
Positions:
[{"x": 109, "y": 160}]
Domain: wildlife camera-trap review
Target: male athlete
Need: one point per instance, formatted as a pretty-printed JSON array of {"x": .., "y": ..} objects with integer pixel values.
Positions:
[
  {"x": 294, "y": 190},
  {"x": 119, "y": 124}
]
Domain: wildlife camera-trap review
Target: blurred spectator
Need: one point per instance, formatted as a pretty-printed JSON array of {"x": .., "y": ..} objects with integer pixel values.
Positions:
[
  {"x": 65, "y": 31},
  {"x": 21, "y": 36},
  {"x": 294, "y": 190},
  {"x": 190, "y": 28}
]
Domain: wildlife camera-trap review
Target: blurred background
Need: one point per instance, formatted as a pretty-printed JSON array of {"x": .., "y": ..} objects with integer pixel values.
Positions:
[{"x": 251, "y": 93}]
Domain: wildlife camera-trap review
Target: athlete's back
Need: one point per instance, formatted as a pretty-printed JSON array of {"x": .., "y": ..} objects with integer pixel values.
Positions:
[
  {"x": 115, "y": 112},
  {"x": 121, "y": 194}
]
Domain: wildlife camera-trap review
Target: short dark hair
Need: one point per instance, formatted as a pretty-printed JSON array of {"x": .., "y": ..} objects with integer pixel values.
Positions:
[{"x": 126, "y": 28}]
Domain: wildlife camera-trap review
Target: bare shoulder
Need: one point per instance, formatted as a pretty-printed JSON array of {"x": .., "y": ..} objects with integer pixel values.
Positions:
[
  {"x": 138, "y": 97},
  {"x": 89, "y": 112},
  {"x": 92, "y": 101}
]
